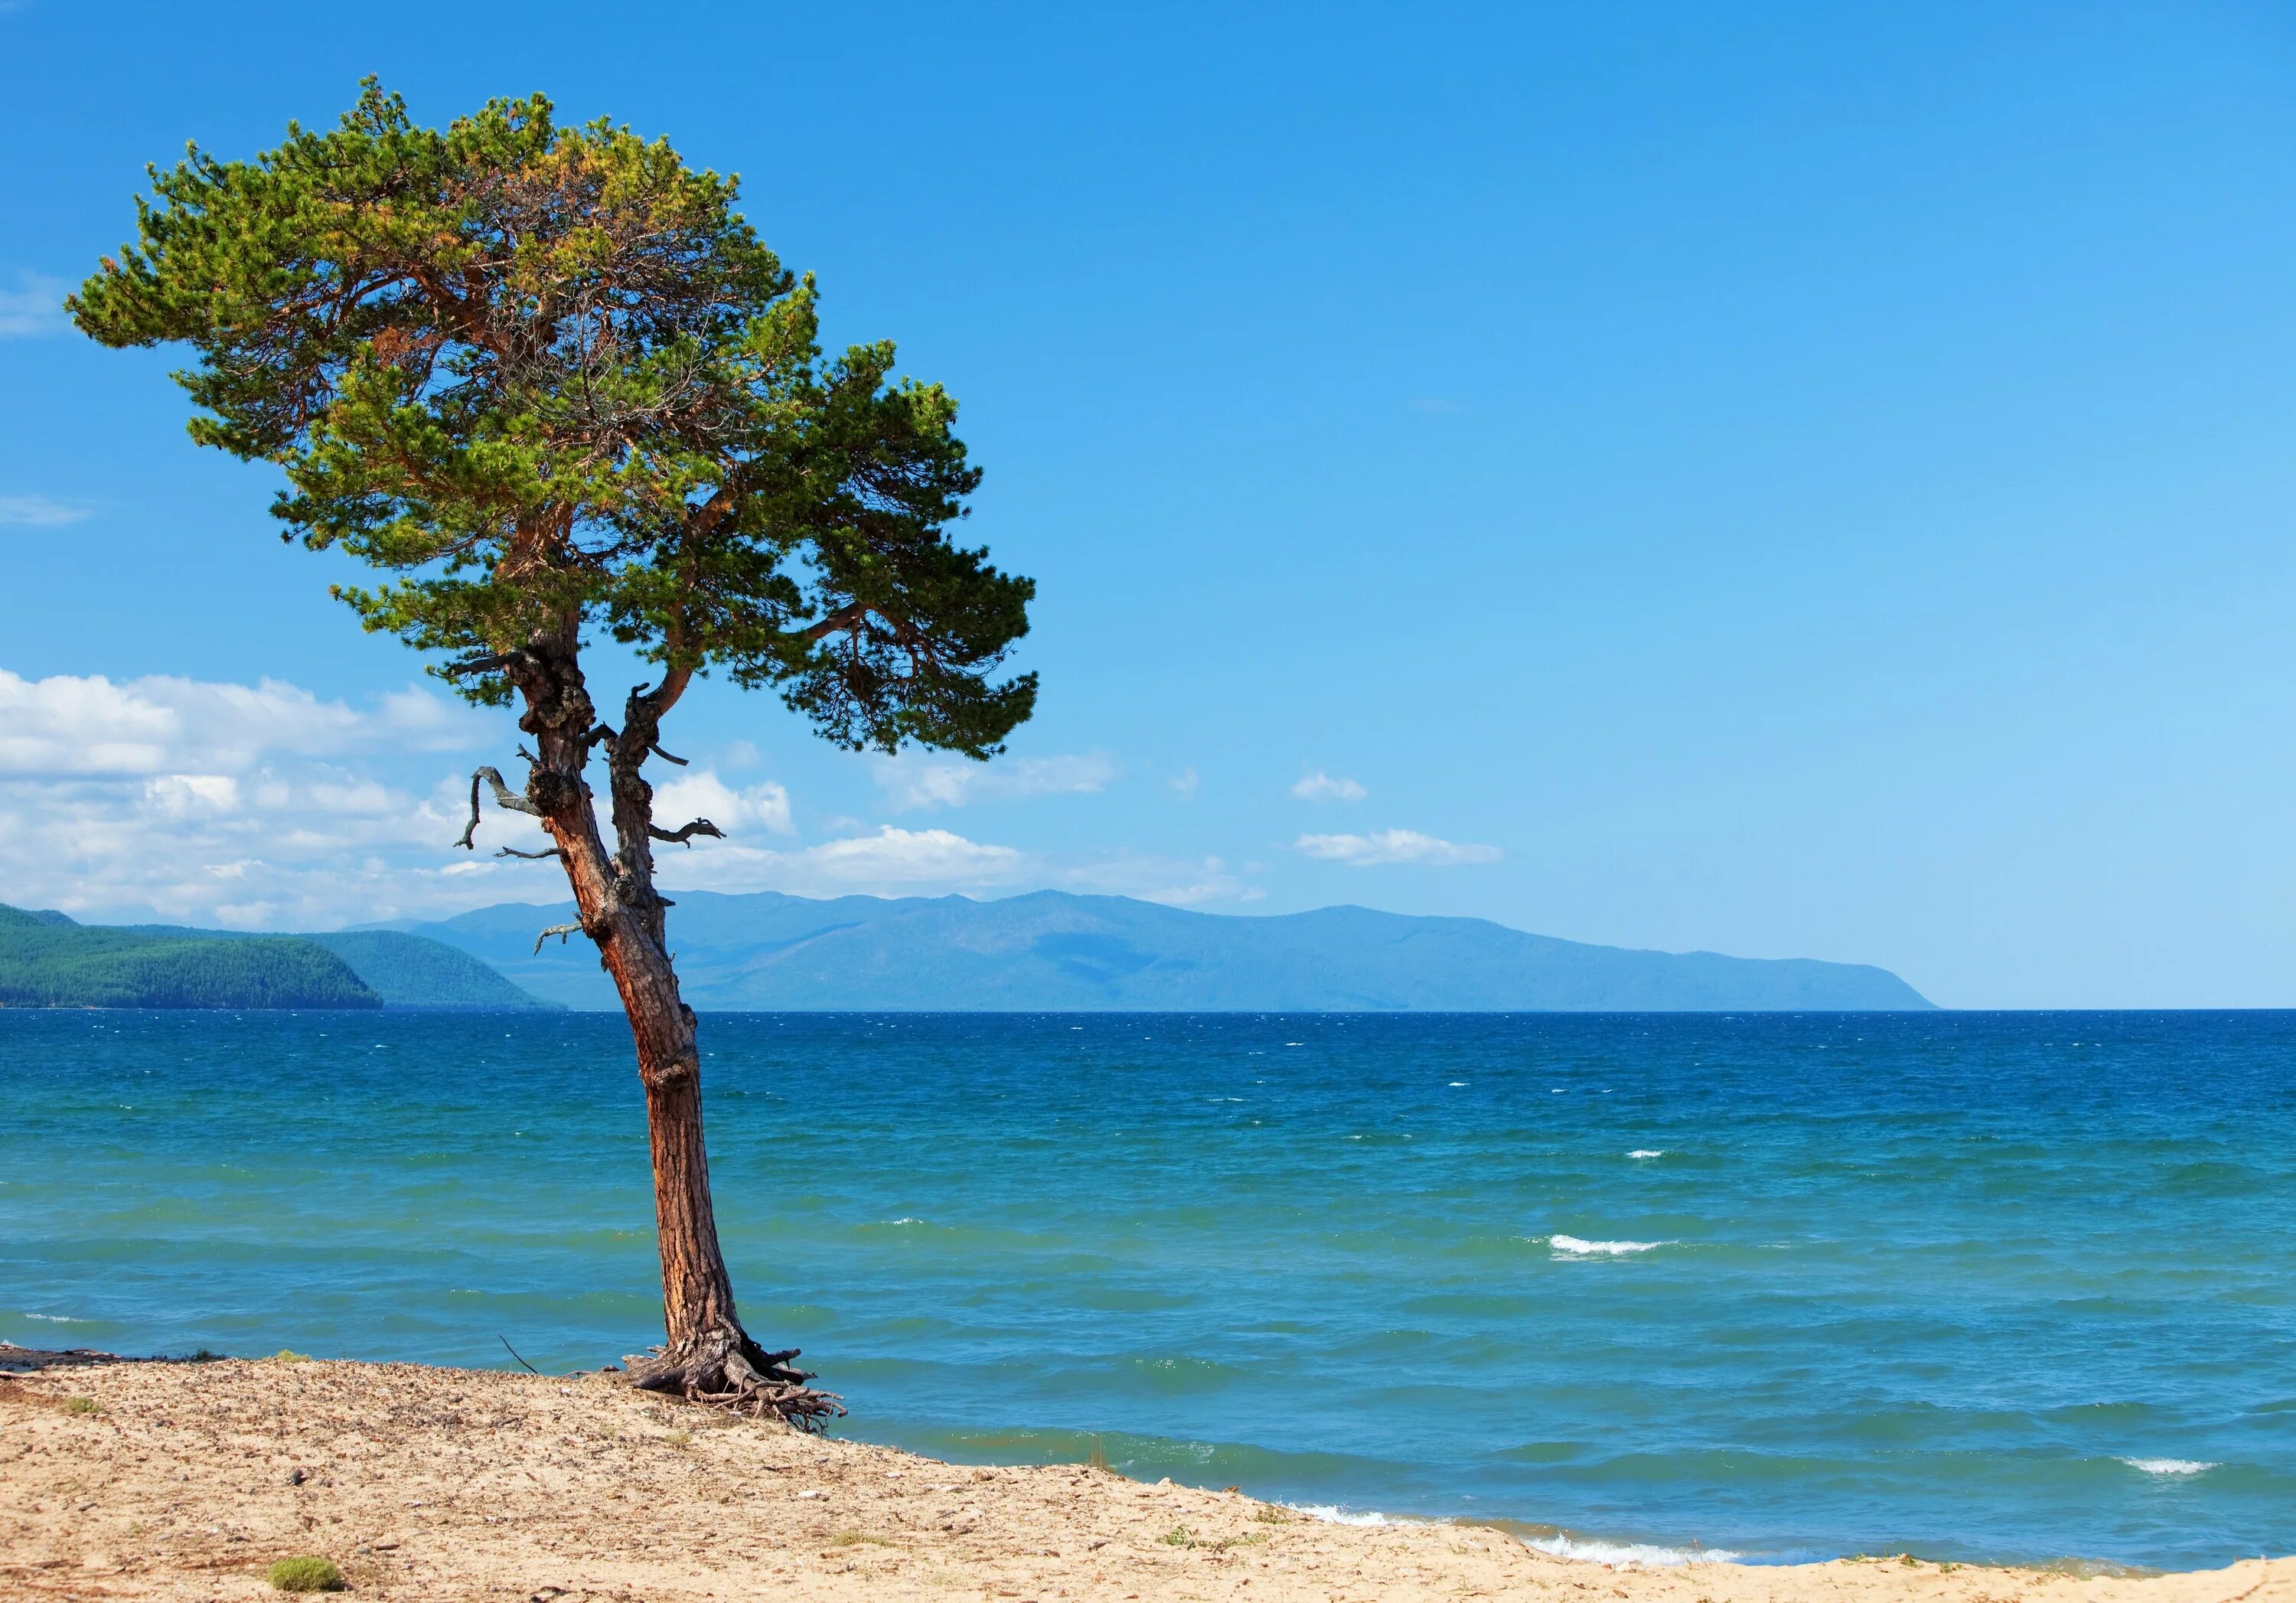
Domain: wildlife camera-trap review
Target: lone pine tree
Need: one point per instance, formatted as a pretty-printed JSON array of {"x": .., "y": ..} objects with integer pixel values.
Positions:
[{"x": 549, "y": 382}]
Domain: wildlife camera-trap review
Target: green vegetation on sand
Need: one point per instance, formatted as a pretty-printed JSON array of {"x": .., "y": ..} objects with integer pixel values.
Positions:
[{"x": 305, "y": 1575}]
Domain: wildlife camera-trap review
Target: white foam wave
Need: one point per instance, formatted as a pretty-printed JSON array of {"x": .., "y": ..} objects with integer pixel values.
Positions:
[
  {"x": 1572, "y": 1247},
  {"x": 1333, "y": 1514},
  {"x": 2167, "y": 1466},
  {"x": 1628, "y": 1552},
  {"x": 58, "y": 1318},
  {"x": 1647, "y": 1152}
]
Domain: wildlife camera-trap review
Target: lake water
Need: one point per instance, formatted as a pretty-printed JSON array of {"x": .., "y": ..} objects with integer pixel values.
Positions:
[{"x": 1982, "y": 1287}]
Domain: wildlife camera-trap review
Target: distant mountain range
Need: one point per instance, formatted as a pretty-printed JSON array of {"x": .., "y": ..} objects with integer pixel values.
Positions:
[
  {"x": 49, "y": 960},
  {"x": 1055, "y": 952}
]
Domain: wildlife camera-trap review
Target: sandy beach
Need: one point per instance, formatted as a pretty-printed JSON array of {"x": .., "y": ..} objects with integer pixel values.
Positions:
[{"x": 182, "y": 1480}]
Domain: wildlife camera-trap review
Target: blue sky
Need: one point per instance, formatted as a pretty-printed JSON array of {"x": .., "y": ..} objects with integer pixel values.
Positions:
[{"x": 1780, "y": 480}]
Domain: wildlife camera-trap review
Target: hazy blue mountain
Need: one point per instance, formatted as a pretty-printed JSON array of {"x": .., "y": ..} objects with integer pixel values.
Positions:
[
  {"x": 49, "y": 960},
  {"x": 1051, "y": 951},
  {"x": 410, "y": 970}
]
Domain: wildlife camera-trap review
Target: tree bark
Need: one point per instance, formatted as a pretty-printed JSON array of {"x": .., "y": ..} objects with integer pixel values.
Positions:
[{"x": 707, "y": 1355}]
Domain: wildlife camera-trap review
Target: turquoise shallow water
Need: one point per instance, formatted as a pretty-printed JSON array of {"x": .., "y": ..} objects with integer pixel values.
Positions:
[{"x": 1978, "y": 1285}]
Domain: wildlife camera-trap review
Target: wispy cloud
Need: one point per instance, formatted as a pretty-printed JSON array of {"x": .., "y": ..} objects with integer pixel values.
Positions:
[
  {"x": 1435, "y": 406},
  {"x": 36, "y": 306},
  {"x": 1393, "y": 846},
  {"x": 1320, "y": 787},
  {"x": 1184, "y": 784},
  {"x": 911, "y": 783},
  {"x": 39, "y": 511}
]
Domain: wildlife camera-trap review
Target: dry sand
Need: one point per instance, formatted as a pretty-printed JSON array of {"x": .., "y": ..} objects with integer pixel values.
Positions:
[{"x": 187, "y": 1480}]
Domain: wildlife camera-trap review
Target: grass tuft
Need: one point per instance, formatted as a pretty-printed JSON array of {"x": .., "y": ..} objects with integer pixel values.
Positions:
[
  {"x": 82, "y": 1405},
  {"x": 288, "y": 1355},
  {"x": 305, "y": 1575}
]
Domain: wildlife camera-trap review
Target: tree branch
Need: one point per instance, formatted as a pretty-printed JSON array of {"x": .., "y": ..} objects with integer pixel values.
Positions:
[
  {"x": 508, "y": 800},
  {"x": 684, "y": 836},
  {"x": 560, "y": 929},
  {"x": 665, "y": 756},
  {"x": 486, "y": 664},
  {"x": 843, "y": 618},
  {"x": 530, "y": 856}
]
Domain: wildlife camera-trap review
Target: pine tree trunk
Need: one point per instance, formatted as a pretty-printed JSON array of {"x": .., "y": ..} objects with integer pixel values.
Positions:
[{"x": 707, "y": 1355}]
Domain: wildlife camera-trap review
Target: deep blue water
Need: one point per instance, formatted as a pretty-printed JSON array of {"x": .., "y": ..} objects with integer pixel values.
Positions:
[{"x": 1977, "y": 1286}]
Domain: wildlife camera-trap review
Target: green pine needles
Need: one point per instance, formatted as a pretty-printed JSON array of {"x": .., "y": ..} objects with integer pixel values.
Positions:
[{"x": 539, "y": 374}]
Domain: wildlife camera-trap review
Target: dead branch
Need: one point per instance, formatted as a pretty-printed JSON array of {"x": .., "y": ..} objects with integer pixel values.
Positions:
[
  {"x": 560, "y": 929},
  {"x": 684, "y": 836},
  {"x": 665, "y": 756},
  {"x": 506, "y": 798},
  {"x": 530, "y": 856}
]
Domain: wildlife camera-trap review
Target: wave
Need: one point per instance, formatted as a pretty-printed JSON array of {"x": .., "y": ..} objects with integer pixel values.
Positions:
[
  {"x": 1333, "y": 1514},
  {"x": 1593, "y": 1551},
  {"x": 1572, "y": 1247},
  {"x": 2169, "y": 1465},
  {"x": 1647, "y": 1152}
]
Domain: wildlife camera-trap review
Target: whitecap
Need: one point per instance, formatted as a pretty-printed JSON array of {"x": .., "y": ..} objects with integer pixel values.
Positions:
[
  {"x": 1333, "y": 1514},
  {"x": 1592, "y": 1551},
  {"x": 1456, "y": 1084},
  {"x": 1572, "y": 1247},
  {"x": 1647, "y": 1152},
  {"x": 2167, "y": 1466},
  {"x": 58, "y": 1318}
]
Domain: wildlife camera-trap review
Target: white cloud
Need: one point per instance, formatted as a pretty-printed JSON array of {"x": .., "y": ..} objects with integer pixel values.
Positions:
[
  {"x": 68, "y": 725},
  {"x": 38, "y": 510},
  {"x": 1184, "y": 784},
  {"x": 911, "y": 855},
  {"x": 891, "y": 862},
  {"x": 1393, "y": 846},
  {"x": 35, "y": 307},
  {"x": 701, "y": 794},
  {"x": 1176, "y": 881},
  {"x": 251, "y": 806},
  {"x": 288, "y": 843},
  {"x": 910, "y": 783},
  {"x": 1320, "y": 787}
]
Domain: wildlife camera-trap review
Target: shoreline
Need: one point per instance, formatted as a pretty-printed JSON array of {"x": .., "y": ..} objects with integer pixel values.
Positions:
[{"x": 176, "y": 1479}]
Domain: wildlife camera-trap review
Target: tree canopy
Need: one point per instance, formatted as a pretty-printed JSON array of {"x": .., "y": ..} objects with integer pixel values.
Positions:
[{"x": 548, "y": 376}]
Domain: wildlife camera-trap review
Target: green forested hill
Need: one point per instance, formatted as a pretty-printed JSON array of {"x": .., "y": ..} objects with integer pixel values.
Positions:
[
  {"x": 45, "y": 964},
  {"x": 48, "y": 961}
]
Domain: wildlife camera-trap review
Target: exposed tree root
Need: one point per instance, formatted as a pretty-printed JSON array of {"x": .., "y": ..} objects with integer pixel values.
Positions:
[{"x": 725, "y": 1368}]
